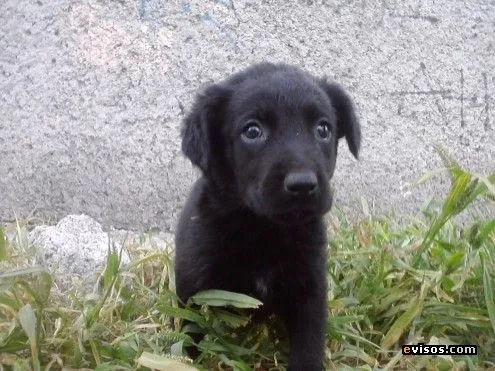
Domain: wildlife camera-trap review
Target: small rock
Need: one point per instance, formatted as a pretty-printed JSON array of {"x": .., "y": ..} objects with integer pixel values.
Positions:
[{"x": 76, "y": 247}]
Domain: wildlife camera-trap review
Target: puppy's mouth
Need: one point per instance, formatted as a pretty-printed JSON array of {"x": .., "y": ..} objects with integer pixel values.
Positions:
[
  {"x": 295, "y": 216},
  {"x": 287, "y": 211}
]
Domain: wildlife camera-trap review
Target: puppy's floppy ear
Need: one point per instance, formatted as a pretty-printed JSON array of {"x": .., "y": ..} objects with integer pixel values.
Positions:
[
  {"x": 347, "y": 122},
  {"x": 205, "y": 116}
]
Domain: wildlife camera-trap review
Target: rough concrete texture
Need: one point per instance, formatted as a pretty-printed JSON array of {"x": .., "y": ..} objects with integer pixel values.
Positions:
[
  {"x": 77, "y": 247},
  {"x": 92, "y": 94}
]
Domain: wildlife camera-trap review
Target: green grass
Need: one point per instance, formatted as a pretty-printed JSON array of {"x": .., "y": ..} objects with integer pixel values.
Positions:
[{"x": 393, "y": 280}]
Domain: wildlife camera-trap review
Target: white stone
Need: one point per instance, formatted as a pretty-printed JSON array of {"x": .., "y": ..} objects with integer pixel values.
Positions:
[{"x": 76, "y": 247}]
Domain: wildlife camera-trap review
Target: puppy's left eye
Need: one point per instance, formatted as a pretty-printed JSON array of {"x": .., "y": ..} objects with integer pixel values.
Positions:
[
  {"x": 252, "y": 131},
  {"x": 324, "y": 130}
]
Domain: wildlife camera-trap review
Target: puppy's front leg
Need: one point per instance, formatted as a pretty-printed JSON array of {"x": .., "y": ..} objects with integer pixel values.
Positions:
[{"x": 306, "y": 322}]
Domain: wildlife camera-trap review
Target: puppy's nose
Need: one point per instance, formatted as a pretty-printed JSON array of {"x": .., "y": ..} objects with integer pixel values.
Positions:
[{"x": 300, "y": 182}]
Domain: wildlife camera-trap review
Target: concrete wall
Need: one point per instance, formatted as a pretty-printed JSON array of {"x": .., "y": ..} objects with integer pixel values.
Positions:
[{"x": 92, "y": 94}]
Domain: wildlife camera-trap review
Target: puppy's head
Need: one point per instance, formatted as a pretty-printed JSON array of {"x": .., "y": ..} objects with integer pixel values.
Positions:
[{"x": 267, "y": 138}]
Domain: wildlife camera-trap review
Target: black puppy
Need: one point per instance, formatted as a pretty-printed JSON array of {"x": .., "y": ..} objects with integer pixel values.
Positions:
[{"x": 266, "y": 141}]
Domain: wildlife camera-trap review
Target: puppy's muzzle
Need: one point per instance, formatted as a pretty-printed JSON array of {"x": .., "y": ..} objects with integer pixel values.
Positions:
[{"x": 300, "y": 183}]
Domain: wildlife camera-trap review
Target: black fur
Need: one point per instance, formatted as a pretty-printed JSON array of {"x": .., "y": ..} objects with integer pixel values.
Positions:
[{"x": 254, "y": 221}]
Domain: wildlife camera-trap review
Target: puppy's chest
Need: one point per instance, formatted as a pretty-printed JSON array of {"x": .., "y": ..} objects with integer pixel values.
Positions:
[
  {"x": 256, "y": 271},
  {"x": 263, "y": 285},
  {"x": 259, "y": 259},
  {"x": 260, "y": 275}
]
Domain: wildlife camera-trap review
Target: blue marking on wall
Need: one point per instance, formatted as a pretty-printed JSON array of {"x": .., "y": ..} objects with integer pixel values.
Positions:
[
  {"x": 142, "y": 8},
  {"x": 207, "y": 17},
  {"x": 224, "y": 3},
  {"x": 185, "y": 6}
]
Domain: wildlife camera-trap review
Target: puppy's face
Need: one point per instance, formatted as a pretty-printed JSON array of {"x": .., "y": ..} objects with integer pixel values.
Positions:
[{"x": 268, "y": 136}]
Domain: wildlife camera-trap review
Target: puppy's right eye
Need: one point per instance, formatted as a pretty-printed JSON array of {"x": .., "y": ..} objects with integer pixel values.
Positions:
[
  {"x": 323, "y": 130},
  {"x": 252, "y": 131}
]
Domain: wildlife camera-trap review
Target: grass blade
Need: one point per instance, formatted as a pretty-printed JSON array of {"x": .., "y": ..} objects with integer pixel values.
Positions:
[
  {"x": 487, "y": 284},
  {"x": 221, "y": 298},
  {"x": 158, "y": 362},
  {"x": 182, "y": 313},
  {"x": 403, "y": 322},
  {"x": 459, "y": 197},
  {"x": 3, "y": 245},
  {"x": 231, "y": 319},
  {"x": 27, "y": 318},
  {"x": 400, "y": 325},
  {"x": 487, "y": 230},
  {"x": 112, "y": 267},
  {"x": 22, "y": 272},
  {"x": 449, "y": 162}
]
